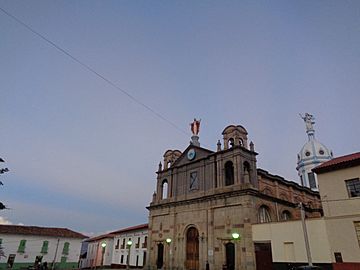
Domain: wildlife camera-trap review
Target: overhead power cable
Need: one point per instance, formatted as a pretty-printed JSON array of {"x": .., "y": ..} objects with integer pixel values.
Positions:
[{"x": 93, "y": 71}]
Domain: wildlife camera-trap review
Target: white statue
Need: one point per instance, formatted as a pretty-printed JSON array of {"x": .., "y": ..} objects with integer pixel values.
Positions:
[{"x": 309, "y": 121}]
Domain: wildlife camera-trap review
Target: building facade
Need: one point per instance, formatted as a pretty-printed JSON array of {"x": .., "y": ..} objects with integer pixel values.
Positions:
[
  {"x": 286, "y": 242},
  {"x": 99, "y": 251},
  {"x": 206, "y": 202},
  {"x": 118, "y": 249},
  {"x": 30, "y": 246},
  {"x": 339, "y": 184},
  {"x": 133, "y": 254},
  {"x": 334, "y": 239}
]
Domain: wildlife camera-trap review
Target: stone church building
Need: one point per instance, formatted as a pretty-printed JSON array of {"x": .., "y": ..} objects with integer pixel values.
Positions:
[{"x": 205, "y": 203}]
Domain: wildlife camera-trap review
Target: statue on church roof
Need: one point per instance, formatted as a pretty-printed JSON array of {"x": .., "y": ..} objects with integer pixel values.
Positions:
[
  {"x": 195, "y": 127},
  {"x": 309, "y": 121},
  {"x": 312, "y": 154}
]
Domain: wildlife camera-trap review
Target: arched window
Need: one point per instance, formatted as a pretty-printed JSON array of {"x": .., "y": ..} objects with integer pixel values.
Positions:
[
  {"x": 229, "y": 173},
  {"x": 264, "y": 214},
  {"x": 164, "y": 189},
  {"x": 241, "y": 142},
  {"x": 231, "y": 143},
  {"x": 246, "y": 172},
  {"x": 285, "y": 215},
  {"x": 267, "y": 191}
]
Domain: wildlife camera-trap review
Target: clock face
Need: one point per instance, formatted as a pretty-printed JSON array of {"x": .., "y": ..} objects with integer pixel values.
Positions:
[{"x": 191, "y": 154}]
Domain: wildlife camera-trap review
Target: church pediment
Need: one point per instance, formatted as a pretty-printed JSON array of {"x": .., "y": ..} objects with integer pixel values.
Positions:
[{"x": 191, "y": 154}]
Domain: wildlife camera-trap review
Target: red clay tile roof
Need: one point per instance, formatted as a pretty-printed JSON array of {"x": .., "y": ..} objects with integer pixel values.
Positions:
[
  {"x": 40, "y": 231},
  {"x": 339, "y": 163},
  {"x": 99, "y": 237},
  {"x": 112, "y": 234},
  {"x": 134, "y": 228}
]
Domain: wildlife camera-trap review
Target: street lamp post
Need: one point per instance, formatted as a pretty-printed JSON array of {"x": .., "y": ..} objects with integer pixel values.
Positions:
[
  {"x": 129, "y": 243},
  {"x": 306, "y": 238},
  {"x": 236, "y": 237},
  {"x": 168, "y": 241},
  {"x": 103, "y": 245}
]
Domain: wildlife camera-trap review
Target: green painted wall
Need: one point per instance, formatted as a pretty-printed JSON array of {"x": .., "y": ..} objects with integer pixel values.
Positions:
[{"x": 58, "y": 265}]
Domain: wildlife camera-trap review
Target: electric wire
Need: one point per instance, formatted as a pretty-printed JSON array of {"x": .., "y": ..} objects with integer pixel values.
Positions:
[{"x": 93, "y": 71}]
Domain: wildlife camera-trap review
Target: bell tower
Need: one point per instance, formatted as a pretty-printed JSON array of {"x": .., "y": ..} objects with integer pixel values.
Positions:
[
  {"x": 235, "y": 136},
  {"x": 237, "y": 158}
]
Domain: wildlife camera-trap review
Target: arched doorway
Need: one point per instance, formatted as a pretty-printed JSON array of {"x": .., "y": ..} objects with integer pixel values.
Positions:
[
  {"x": 160, "y": 256},
  {"x": 230, "y": 256},
  {"x": 192, "y": 249}
]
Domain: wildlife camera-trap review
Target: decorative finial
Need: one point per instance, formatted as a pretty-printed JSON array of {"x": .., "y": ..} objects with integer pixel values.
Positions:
[
  {"x": 160, "y": 167},
  {"x": 218, "y": 145},
  {"x": 252, "y": 148}
]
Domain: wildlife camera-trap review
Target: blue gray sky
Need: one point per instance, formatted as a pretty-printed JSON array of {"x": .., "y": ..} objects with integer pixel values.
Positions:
[{"x": 83, "y": 155}]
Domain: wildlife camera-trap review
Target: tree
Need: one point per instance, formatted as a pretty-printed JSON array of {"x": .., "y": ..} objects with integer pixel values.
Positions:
[
  {"x": 2, "y": 206},
  {"x": 2, "y": 253}
]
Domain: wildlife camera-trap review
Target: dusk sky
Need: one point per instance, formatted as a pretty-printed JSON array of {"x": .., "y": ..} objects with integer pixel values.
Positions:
[{"x": 83, "y": 155}]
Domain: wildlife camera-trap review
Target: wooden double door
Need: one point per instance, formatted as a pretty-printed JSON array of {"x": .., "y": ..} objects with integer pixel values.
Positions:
[{"x": 192, "y": 249}]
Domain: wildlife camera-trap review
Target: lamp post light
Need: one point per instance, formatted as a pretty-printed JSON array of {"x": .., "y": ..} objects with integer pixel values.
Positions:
[
  {"x": 235, "y": 236},
  {"x": 129, "y": 243},
  {"x": 103, "y": 246},
  {"x": 168, "y": 241}
]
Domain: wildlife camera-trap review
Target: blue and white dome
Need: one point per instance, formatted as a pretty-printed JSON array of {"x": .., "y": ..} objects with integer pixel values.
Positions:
[
  {"x": 314, "y": 151},
  {"x": 312, "y": 154}
]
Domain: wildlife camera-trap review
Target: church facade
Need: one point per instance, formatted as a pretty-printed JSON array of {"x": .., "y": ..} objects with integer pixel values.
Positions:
[{"x": 206, "y": 202}]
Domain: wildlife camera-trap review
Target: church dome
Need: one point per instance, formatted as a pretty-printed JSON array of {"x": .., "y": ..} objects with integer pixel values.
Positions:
[{"x": 314, "y": 152}]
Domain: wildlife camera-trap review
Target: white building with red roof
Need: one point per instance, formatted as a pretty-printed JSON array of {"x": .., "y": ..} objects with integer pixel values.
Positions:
[
  {"x": 99, "y": 251},
  {"x": 31, "y": 246},
  {"x": 117, "y": 249},
  {"x": 134, "y": 254}
]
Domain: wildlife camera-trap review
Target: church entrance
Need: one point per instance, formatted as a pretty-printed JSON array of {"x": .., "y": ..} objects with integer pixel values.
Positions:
[
  {"x": 192, "y": 249},
  {"x": 160, "y": 256},
  {"x": 230, "y": 256}
]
